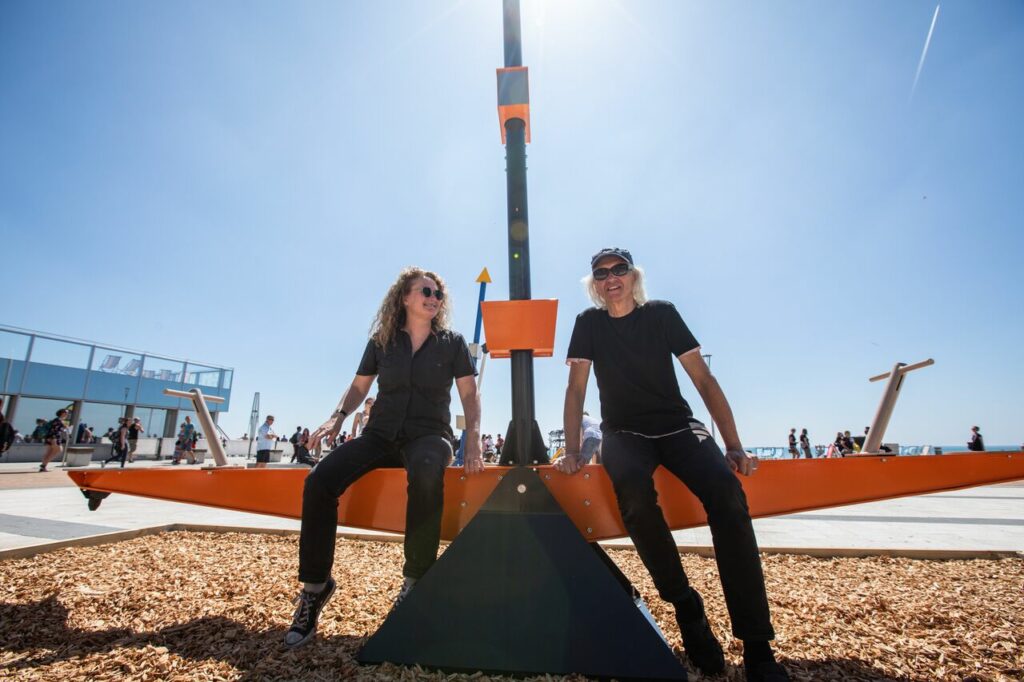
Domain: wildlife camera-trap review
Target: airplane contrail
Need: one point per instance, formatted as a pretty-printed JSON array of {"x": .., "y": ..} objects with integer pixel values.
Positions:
[{"x": 924, "y": 52}]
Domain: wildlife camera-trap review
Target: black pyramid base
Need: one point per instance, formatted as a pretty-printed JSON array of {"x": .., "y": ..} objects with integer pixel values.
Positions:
[
  {"x": 538, "y": 451},
  {"x": 520, "y": 592}
]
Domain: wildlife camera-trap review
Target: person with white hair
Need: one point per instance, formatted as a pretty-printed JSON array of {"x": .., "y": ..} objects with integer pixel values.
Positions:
[{"x": 631, "y": 343}]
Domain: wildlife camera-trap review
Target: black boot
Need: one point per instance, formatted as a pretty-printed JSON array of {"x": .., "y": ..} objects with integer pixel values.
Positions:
[
  {"x": 702, "y": 647},
  {"x": 760, "y": 664}
]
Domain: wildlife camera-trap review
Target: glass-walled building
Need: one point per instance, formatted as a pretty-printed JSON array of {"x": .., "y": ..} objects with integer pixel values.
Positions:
[{"x": 41, "y": 373}]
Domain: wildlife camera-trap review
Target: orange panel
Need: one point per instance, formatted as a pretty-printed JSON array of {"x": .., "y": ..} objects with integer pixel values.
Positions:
[
  {"x": 520, "y": 325},
  {"x": 377, "y": 500}
]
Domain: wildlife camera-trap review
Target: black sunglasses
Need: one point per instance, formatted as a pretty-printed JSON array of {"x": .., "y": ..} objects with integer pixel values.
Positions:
[
  {"x": 436, "y": 293},
  {"x": 619, "y": 269}
]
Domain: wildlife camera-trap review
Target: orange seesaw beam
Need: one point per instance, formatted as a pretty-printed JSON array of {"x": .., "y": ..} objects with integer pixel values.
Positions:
[{"x": 377, "y": 500}]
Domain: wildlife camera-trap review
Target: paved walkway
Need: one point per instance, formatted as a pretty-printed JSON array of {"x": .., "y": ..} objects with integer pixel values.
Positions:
[{"x": 40, "y": 508}]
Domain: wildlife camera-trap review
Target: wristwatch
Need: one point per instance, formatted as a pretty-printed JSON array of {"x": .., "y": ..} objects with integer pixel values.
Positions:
[{"x": 340, "y": 413}]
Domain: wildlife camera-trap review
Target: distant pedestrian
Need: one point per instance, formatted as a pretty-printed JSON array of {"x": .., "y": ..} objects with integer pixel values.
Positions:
[
  {"x": 119, "y": 451},
  {"x": 302, "y": 449},
  {"x": 294, "y": 440},
  {"x": 188, "y": 438},
  {"x": 977, "y": 443},
  {"x": 56, "y": 437},
  {"x": 805, "y": 444},
  {"x": 179, "y": 445},
  {"x": 265, "y": 439},
  {"x": 39, "y": 434},
  {"x": 793, "y": 453},
  {"x": 848, "y": 444},
  {"x": 135, "y": 429},
  {"x": 498, "y": 445},
  {"x": 590, "y": 437},
  {"x": 7, "y": 434},
  {"x": 838, "y": 447},
  {"x": 362, "y": 418}
]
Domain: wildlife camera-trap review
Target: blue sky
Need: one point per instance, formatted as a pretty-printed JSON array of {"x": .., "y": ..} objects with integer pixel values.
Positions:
[{"x": 245, "y": 179}]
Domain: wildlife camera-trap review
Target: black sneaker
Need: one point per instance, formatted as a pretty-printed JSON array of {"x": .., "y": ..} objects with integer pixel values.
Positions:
[
  {"x": 309, "y": 605},
  {"x": 766, "y": 671},
  {"x": 702, "y": 647}
]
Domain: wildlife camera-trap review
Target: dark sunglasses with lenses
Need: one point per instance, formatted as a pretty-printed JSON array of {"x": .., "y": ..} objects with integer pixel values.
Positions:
[
  {"x": 619, "y": 269},
  {"x": 436, "y": 293}
]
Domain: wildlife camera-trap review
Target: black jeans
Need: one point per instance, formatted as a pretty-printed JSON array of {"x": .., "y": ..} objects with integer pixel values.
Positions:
[
  {"x": 117, "y": 453},
  {"x": 424, "y": 460},
  {"x": 698, "y": 462}
]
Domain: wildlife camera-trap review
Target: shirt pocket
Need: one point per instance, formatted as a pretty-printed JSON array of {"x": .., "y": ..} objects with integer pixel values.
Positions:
[
  {"x": 392, "y": 372},
  {"x": 435, "y": 379}
]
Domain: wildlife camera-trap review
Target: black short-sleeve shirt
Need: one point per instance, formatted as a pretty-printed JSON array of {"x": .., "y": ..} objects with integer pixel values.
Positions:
[
  {"x": 414, "y": 391},
  {"x": 633, "y": 359}
]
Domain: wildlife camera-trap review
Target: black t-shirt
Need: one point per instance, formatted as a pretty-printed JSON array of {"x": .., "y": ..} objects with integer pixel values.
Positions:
[
  {"x": 133, "y": 432},
  {"x": 414, "y": 391},
  {"x": 633, "y": 360}
]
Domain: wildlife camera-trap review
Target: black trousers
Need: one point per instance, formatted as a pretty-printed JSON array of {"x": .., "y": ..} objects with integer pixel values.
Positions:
[
  {"x": 698, "y": 462},
  {"x": 424, "y": 460},
  {"x": 117, "y": 453}
]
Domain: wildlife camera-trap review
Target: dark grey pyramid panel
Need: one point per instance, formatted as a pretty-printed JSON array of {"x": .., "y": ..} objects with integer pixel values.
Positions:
[{"x": 520, "y": 591}]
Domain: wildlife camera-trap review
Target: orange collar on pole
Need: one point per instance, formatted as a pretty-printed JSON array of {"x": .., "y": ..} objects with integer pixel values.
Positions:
[{"x": 514, "y": 97}]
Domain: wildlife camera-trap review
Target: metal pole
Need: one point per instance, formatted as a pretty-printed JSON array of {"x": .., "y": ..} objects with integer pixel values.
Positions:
[
  {"x": 524, "y": 421},
  {"x": 205, "y": 420},
  {"x": 876, "y": 432},
  {"x": 476, "y": 353},
  {"x": 254, "y": 418}
]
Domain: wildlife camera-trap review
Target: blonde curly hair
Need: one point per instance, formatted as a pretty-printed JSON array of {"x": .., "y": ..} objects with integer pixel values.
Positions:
[{"x": 391, "y": 315}]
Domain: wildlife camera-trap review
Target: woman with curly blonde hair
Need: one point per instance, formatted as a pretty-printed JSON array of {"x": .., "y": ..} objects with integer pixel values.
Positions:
[{"x": 415, "y": 358}]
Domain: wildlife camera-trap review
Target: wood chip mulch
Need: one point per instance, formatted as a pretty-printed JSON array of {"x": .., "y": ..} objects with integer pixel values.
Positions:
[{"x": 206, "y": 606}]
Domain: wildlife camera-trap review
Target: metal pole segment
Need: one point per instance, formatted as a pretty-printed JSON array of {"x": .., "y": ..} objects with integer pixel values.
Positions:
[
  {"x": 205, "y": 420},
  {"x": 513, "y": 34},
  {"x": 876, "y": 432},
  {"x": 521, "y": 439}
]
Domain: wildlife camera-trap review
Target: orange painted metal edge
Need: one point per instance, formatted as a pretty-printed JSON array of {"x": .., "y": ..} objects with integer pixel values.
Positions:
[
  {"x": 377, "y": 500},
  {"x": 520, "y": 325}
]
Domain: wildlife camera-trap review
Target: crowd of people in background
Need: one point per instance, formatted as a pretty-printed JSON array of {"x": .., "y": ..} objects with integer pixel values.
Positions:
[
  {"x": 491, "y": 448},
  {"x": 125, "y": 437}
]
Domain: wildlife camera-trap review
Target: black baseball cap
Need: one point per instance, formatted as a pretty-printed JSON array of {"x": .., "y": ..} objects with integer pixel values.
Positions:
[{"x": 612, "y": 251}]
